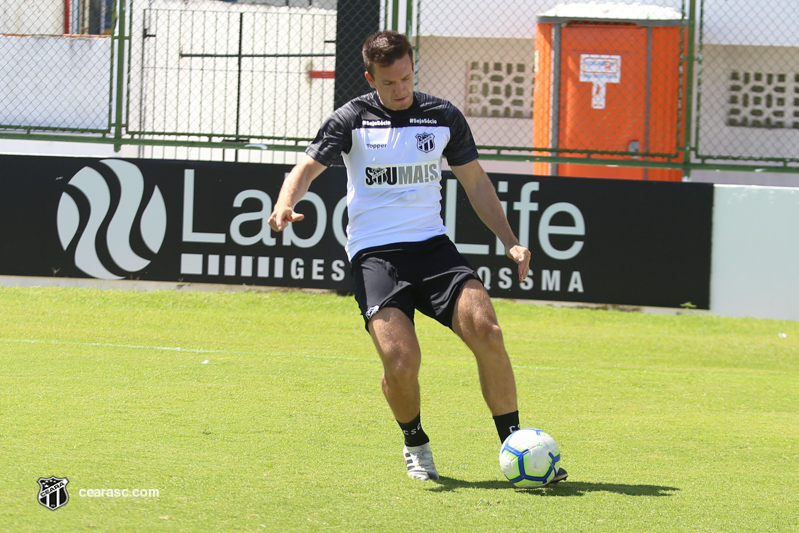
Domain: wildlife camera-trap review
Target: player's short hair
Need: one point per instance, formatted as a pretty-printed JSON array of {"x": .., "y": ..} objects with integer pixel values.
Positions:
[{"x": 384, "y": 48}]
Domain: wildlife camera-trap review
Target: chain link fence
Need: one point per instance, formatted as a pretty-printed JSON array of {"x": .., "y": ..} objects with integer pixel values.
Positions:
[
  {"x": 673, "y": 84},
  {"x": 748, "y": 81},
  {"x": 56, "y": 66},
  {"x": 565, "y": 79},
  {"x": 203, "y": 69}
]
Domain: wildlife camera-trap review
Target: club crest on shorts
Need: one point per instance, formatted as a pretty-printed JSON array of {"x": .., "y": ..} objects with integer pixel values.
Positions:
[
  {"x": 426, "y": 142},
  {"x": 53, "y": 492}
]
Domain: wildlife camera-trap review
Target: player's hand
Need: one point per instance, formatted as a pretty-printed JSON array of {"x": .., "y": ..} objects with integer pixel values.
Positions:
[
  {"x": 282, "y": 217},
  {"x": 521, "y": 256}
]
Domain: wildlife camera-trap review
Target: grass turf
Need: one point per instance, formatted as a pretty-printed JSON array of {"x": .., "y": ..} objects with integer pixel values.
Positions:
[{"x": 262, "y": 411}]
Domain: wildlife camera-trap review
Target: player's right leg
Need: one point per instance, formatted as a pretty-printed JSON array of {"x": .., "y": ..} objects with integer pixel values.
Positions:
[
  {"x": 395, "y": 339},
  {"x": 386, "y": 303}
]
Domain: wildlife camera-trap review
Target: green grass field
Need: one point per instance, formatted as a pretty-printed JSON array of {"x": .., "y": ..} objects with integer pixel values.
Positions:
[{"x": 263, "y": 411}]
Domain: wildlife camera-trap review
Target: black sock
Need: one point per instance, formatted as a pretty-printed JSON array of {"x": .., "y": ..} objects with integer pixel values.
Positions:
[
  {"x": 506, "y": 424},
  {"x": 414, "y": 434}
]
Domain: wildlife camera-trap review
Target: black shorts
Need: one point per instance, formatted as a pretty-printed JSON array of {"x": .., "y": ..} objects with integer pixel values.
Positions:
[{"x": 427, "y": 276}]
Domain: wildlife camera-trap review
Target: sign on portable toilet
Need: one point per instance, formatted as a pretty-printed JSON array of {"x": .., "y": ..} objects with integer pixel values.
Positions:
[
  {"x": 608, "y": 83},
  {"x": 599, "y": 69}
]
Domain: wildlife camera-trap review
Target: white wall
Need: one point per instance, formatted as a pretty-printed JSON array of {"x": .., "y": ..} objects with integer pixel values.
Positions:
[
  {"x": 768, "y": 179},
  {"x": 32, "y": 16},
  {"x": 755, "y": 259},
  {"x": 53, "y": 81}
]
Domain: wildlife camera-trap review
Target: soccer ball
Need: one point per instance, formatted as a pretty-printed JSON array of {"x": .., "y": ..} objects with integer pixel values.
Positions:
[{"x": 529, "y": 458}]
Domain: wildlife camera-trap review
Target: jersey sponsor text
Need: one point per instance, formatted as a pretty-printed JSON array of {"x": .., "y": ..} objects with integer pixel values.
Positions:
[{"x": 402, "y": 175}]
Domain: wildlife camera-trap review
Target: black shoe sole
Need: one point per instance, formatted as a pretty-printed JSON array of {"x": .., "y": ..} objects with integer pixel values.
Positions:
[{"x": 560, "y": 475}]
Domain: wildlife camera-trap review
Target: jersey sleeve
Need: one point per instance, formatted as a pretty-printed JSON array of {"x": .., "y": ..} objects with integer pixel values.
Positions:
[
  {"x": 333, "y": 138},
  {"x": 461, "y": 148}
]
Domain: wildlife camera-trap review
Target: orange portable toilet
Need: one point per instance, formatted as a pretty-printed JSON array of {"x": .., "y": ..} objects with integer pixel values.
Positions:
[{"x": 608, "y": 79}]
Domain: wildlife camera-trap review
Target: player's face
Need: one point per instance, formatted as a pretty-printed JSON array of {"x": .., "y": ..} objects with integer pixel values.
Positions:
[{"x": 394, "y": 83}]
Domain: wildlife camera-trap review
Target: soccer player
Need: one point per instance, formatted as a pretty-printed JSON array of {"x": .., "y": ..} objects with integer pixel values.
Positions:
[{"x": 392, "y": 141}]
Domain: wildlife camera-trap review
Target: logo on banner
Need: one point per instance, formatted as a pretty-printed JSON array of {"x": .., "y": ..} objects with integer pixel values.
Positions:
[
  {"x": 53, "y": 492},
  {"x": 426, "y": 142},
  {"x": 125, "y": 221}
]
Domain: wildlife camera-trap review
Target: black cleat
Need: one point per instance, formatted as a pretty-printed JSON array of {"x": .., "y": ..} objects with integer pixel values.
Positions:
[{"x": 560, "y": 475}]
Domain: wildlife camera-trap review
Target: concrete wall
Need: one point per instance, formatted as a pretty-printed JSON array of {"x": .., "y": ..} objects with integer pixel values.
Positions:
[
  {"x": 719, "y": 64},
  {"x": 443, "y": 64},
  {"x": 755, "y": 260}
]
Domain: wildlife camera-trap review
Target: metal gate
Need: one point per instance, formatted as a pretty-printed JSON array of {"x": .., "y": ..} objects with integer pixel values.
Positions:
[{"x": 234, "y": 76}]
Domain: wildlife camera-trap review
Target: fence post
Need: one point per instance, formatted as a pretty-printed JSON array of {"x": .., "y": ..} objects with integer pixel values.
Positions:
[
  {"x": 119, "y": 96},
  {"x": 689, "y": 88},
  {"x": 356, "y": 20}
]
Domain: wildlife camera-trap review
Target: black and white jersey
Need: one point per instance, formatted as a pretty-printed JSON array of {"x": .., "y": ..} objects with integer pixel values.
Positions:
[{"x": 393, "y": 161}]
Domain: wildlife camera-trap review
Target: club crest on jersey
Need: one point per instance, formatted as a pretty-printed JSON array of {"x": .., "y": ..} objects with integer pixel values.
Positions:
[{"x": 426, "y": 142}]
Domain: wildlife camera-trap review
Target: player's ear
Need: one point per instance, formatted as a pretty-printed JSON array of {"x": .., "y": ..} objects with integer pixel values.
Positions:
[{"x": 370, "y": 79}]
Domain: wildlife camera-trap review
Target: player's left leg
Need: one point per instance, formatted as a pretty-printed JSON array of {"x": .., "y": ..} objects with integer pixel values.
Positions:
[{"x": 475, "y": 321}]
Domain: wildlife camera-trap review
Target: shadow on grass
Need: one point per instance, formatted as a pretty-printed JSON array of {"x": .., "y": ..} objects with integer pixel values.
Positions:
[{"x": 564, "y": 488}]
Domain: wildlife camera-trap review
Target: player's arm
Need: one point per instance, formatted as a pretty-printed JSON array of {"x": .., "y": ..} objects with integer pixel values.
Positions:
[
  {"x": 486, "y": 204},
  {"x": 294, "y": 188}
]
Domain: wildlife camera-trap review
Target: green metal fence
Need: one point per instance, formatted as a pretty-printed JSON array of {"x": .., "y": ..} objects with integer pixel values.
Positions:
[{"x": 679, "y": 84}]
